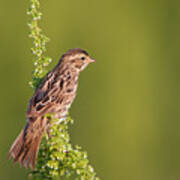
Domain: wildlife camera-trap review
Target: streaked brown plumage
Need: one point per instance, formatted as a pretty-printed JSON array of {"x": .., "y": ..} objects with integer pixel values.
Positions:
[{"x": 54, "y": 95}]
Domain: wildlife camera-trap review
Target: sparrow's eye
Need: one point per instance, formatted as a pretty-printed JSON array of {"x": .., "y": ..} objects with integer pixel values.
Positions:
[{"x": 83, "y": 58}]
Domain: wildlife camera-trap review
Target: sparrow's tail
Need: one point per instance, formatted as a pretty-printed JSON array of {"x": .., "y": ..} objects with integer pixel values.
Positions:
[{"x": 25, "y": 148}]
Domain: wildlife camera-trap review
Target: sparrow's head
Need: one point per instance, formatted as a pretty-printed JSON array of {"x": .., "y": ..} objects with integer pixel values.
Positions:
[{"x": 77, "y": 58}]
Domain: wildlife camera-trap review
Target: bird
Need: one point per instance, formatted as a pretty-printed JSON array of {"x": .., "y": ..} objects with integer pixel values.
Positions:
[{"x": 54, "y": 95}]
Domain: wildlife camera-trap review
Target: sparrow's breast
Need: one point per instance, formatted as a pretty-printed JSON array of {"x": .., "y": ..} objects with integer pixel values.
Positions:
[{"x": 65, "y": 97}]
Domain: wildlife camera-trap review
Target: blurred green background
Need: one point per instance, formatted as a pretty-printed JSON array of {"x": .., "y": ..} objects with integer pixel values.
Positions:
[{"x": 127, "y": 110}]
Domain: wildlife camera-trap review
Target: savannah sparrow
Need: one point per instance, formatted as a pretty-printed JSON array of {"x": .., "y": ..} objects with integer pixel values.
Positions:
[{"x": 54, "y": 95}]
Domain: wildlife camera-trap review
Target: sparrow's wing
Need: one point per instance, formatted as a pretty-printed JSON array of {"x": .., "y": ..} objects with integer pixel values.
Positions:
[{"x": 43, "y": 101}]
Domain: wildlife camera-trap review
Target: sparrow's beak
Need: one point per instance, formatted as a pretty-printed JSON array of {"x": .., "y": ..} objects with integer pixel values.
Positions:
[{"x": 92, "y": 60}]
